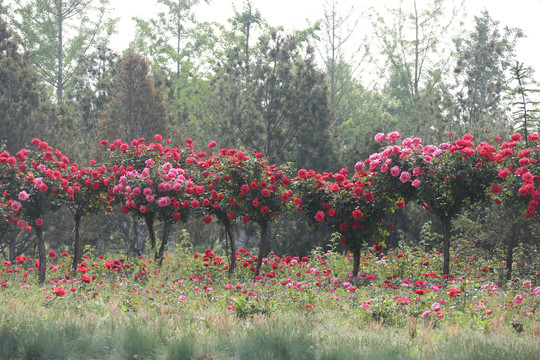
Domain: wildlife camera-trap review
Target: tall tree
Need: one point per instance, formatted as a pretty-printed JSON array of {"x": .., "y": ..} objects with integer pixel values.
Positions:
[
  {"x": 243, "y": 22},
  {"x": 283, "y": 108},
  {"x": 22, "y": 100},
  {"x": 173, "y": 41},
  {"x": 136, "y": 109},
  {"x": 58, "y": 33},
  {"x": 527, "y": 114},
  {"x": 340, "y": 62},
  {"x": 484, "y": 58},
  {"x": 92, "y": 93},
  {"x": 415, "y": 62}
]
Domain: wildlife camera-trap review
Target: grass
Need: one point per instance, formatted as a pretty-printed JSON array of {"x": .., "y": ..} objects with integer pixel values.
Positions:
[{"x": 225, "y": 336}]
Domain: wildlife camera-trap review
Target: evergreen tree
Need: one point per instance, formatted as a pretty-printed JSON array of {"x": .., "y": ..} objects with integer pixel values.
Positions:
[
  {"x": 282, "y": 110},
  {"x": 136, "y": 109},
  {"x": 527, "y": 115},
  {"x": 482, "y": 79},
  {"x": 22, "y": 101}
]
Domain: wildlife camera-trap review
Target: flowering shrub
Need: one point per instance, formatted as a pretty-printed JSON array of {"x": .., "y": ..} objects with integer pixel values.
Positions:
[
  {"x": 351, "y": 207},
  {"x": 149, "y": 186},
  {"x": 259, "y": 190},
  {"x": 519, "y": 177},
  {"x": 32, "y": 181},
  {"x": 444, "y": 179},
  {"x": 160, "y": 182}
]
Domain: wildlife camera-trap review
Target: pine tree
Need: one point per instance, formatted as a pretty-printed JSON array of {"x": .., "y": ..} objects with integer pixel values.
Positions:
[
  {"x": 21, "y": 96},
  {"x": 136, "y": 109}
]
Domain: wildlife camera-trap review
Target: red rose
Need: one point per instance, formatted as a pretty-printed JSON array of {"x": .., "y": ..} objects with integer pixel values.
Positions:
[{"x": 357, "y": 214}]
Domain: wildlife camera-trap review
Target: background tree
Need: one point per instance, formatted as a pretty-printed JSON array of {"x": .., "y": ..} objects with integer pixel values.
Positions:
[
  {"x": 282, "y": 110},
  {"x": 484, "y": 58},
  {"x": 92, "y": 93},
  {"x": 58, "y": 33},
  {"x": 136, "y": 109},
  {"x": 175, "y": 42},
  {"x": 22, "y": 100},
  {"x": 341, "y": 65},
  {"x": 527, "y": 114},
  {"x": 415, "y": 64}
]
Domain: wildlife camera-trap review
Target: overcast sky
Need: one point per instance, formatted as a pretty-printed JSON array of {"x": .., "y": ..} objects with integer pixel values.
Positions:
[{"x": 295, "y": 14}]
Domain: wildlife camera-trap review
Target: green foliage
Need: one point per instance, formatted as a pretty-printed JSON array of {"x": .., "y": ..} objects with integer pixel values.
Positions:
[
  {"x": 281, "y": 108},
  {"x": 526, "y": 117},
  {"x": 43, "y": 29},
  {"x": 22, "y": 100},
  {"x": 136, "y": 109},
  {"x": 485, "y": 56}
]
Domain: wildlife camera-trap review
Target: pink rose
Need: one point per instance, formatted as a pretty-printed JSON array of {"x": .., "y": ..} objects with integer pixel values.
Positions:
[
  {"x": 23, "y": 195},
  {"x": 405, "y": 177}
]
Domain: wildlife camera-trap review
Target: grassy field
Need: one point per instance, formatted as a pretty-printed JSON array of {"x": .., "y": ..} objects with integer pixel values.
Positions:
[{"x": 300, "y": 308}]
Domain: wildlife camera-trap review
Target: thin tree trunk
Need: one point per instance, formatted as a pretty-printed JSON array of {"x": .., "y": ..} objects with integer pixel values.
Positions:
[
  {"x": 356, "y": 266},
  {"x": 77, "y": 244},
  {"x": 149, "y": 219},
  {"x": 42, "y": 254},
  {"x": 509, "y": 259},
  {"x": 138, "y": 237},
  {"x": 60, "y": 80},
  {"x": 229, "y": 231},
  {"x": 262, "y": 247},
  {"x": 12, "y": 250},
  {"x": 165, "y": 232},
  {"x": 446, "y": 221}
]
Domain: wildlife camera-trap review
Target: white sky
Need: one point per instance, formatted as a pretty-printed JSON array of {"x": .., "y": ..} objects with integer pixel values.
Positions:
[{"x": 294, "y": 14}]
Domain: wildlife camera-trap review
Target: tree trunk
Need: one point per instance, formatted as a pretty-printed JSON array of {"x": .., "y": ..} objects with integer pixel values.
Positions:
[
  {"x": 356, "y": 266},
  {"x": 149, "y": 219},
  {"x": 165, "y": 232},
  {"x": 509, "y": 259},
  {"x": 60, "y": 54},
  {"x": 42, "y": 254},
  {"x": 138, "y": 237},
  {"x": 447, "y": 223},
  {"x": 12, "y": 250},
  {"x": 262, "y": 246},
  {"x": 77, "y": 244},
  {"x": 230, "y": 234}
]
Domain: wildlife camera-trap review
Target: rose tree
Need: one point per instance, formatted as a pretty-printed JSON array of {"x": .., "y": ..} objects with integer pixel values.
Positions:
[
  {"x": 350, "y": 206},
  {"x": 260, "y": 191},
  {"x": 32, "y": 182},
  {"x": 214, "y": 172},
  {"x": 156, "y": 190},
  {"x": 444, "y": 179}
]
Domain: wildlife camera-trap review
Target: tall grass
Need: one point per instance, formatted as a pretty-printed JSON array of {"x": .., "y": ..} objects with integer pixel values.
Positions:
[{"x": 223, "y": 336}]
